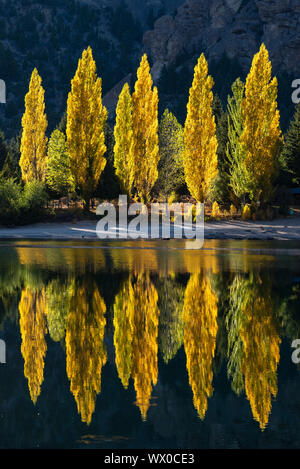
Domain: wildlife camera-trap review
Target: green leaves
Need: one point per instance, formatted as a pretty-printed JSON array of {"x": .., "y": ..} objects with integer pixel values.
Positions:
[{"x": 59, "y": 177}]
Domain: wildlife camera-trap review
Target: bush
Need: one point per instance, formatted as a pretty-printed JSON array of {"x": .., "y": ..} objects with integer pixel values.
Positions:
[
  {"x": 233, "y": 211},
  {"x": 21, "y": 206},
  {"x": 172, "y": 198},
  {"x": 34, "y": 196},
  {"x": 246, "y": 215},
  {"x": 10, "y": 200},
  {"x": 216, "y": 212}
]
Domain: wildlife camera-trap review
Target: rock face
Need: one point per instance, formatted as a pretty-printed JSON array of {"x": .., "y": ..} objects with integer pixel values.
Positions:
[
  {"x": 141, "y": 8},
  {"x": 111, "y": 98},
  {"x": 236, "y": 27}
]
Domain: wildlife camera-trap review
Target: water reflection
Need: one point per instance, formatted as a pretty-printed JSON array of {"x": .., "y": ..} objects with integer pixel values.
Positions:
[
  {"x": 136, "y": 317},
  {"x": 200, "y": 311},
  {"x": 85, "y": 350},
  {"x": 254, "y": 342},
  {"x": 218, "y": 313},
  {"x": 32, "y": 308}
]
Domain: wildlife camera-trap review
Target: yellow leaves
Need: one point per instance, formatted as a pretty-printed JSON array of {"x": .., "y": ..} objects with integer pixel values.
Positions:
[
  {"x": 200, "y": 156},
  {"x": 136, "y": 330},
  {"x": 246, "y": 215},
  {"x": 200, "y": 312},
  {"x": 32, "y": 308},
  {"x": 144, "y": 344},
  {"x": 254, "y": 343},
  {"x": 216, "y": 211},
  {"x": 34, "y": 124},
  {"x": 261, "y": 357},
  {"x": 86, "y": 117},
  {"x": 261, "y": 137},
  {"x": 85, "y": 350},
  {"x": 144, "y": 150}
]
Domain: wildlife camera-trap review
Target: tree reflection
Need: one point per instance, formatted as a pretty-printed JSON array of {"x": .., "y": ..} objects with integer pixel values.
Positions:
[
  {"x": 200, "y": 312},
  {"x": 32, "y": 308},
  {"x": 136, "y": 316},
  {"x": 58, "y": 295},
  {"x": 171, "y": 299},
  {"x": 85, "y": 350},
  {"x": 253, "y": 343},
  {"x": 124, "y": 330}
]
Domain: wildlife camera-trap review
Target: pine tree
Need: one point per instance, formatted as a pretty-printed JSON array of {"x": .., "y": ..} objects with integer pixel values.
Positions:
[
  {"x": 59, "y": 178},
  {"x": 171, "y": 148},
  {"x": 200, "y": 156},
  {"x": 290, "y": 156},
  {"x": 86, "y": 117},
  {"x": 11, "y": 167},
  {"x": 220, "y": 189},
  {"x": 123, "y": 139},
  {"x": 237, "y": 169},
  {"x": 261, "y": 137},
  {"x": 144, "y": 149},
  {"x": 34, "y": 141}
]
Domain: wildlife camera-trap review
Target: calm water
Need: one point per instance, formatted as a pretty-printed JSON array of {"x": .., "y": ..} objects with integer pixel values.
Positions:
[{"x": 148, "y": 345}]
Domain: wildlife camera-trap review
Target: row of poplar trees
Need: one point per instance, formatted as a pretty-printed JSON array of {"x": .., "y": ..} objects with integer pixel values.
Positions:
[{"x": 76, "y": 160}]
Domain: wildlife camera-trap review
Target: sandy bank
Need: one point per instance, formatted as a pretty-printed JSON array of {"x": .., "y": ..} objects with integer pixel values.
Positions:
[{"x": 281, "y": 229}]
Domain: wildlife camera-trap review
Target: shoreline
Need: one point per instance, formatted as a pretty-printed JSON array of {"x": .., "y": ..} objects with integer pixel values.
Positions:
[{"x": 287, "y": 229}]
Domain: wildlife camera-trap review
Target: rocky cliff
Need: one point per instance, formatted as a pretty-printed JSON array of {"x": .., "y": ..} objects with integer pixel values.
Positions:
[{"x": 234, "y": 27}]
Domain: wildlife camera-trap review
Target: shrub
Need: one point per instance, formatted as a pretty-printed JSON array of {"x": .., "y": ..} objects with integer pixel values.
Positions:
[
  {"x": 172, "y": 198},
  {"x": 233, "y": 211},
  {"x": 21, "y": 206},
  {"x": 34, "y": 195},
  {"x": 10, "y": 196},
  {"x": 246, "y": 213},
  {"x": 216, "y": 212}
]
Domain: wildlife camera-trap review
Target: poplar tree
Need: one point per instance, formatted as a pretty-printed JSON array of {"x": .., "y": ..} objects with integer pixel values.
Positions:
[
  {"x": 144, "y": 150},
  {"x": 86, "y": 117},
  {"x": 123, "y": 139},
  {"x": 59, "y": 178},
  {"x": 200, "y": 156},
  {"x": 261, "y": 137},
  {"x": 34, "y": 124}
]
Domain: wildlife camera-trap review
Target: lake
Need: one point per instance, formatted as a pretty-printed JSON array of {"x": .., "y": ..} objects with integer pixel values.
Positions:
[{"x": 145, "y": 344}]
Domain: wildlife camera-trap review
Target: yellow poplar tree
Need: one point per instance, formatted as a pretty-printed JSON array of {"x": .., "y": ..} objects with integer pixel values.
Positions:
[
  {"x": 123, "y": 139},
  {"x": 254, "y": 343},
  {"x": 85, "y": 350},
  {"x": 200, "y": 313},
  {"x": 34, "y": 124},
  {"x": 144, "y": 342},
  {"x": 144, "y": 149},
  {"x": 262, "y": 135},
  {"x": 200, "y": 155},
  {"x": 33, "y": 312},
  {"x": 86, "y": 118}
]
